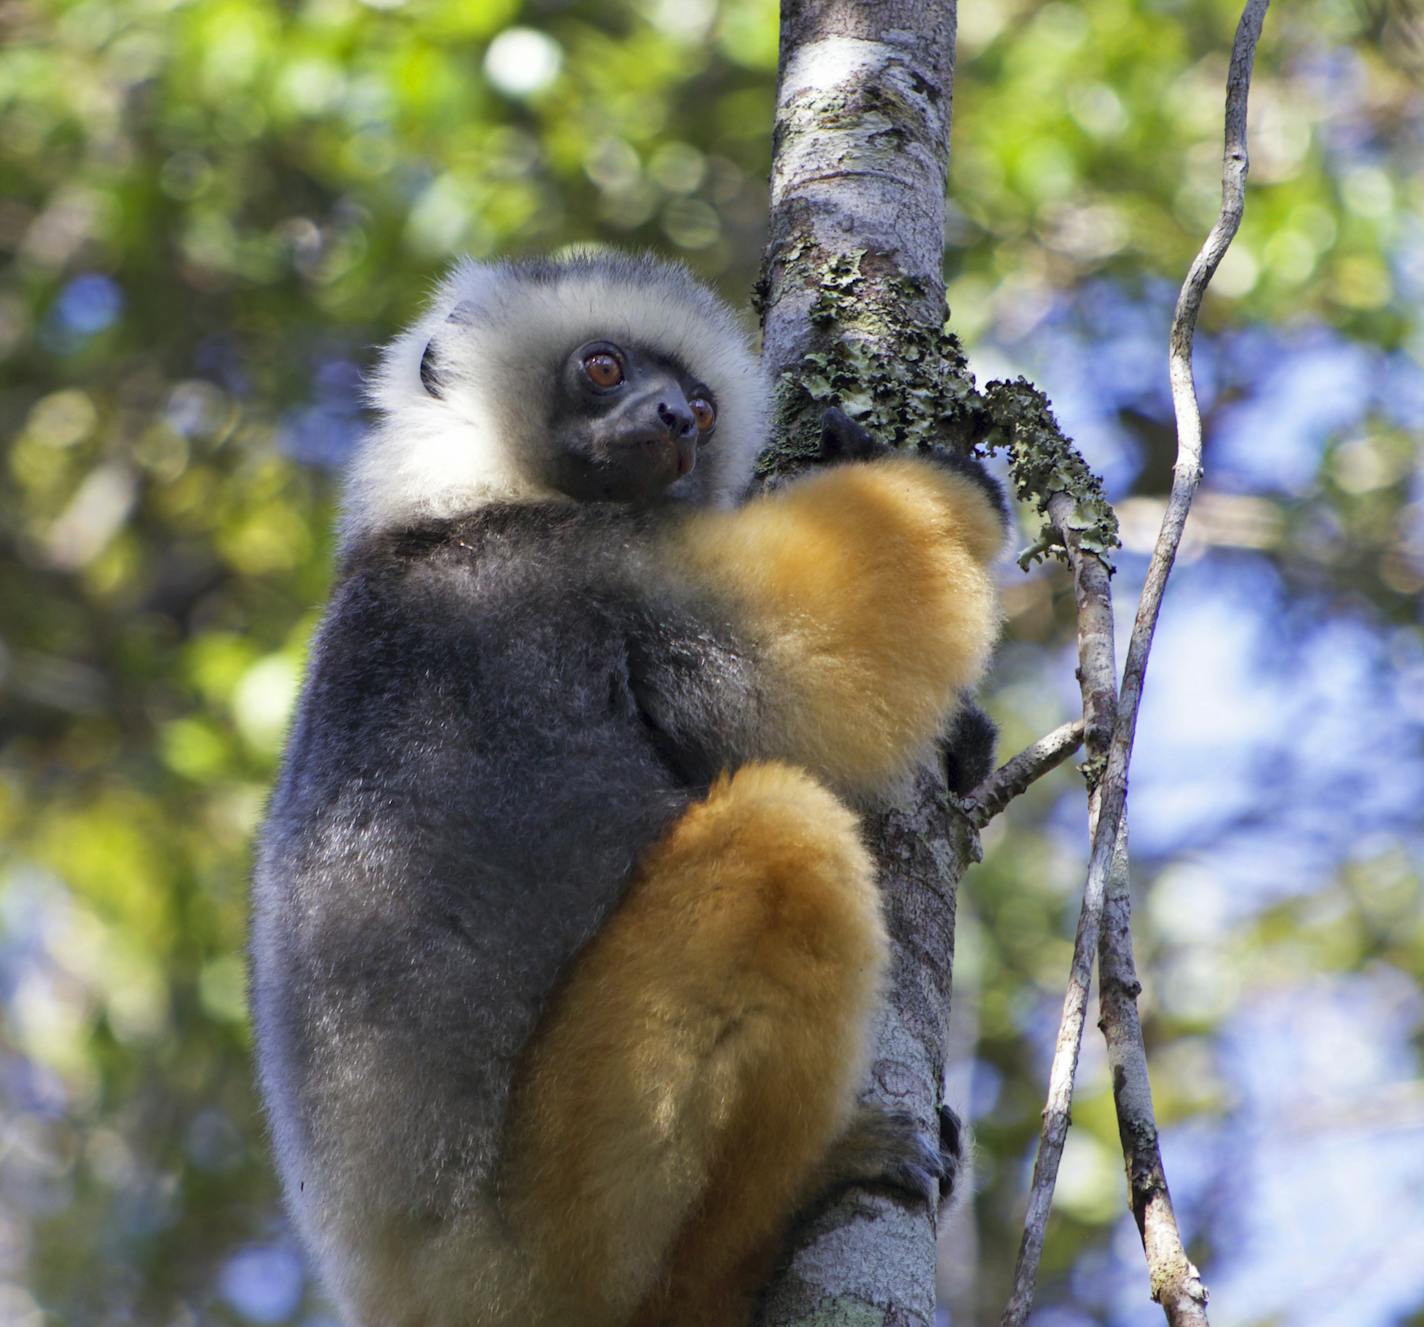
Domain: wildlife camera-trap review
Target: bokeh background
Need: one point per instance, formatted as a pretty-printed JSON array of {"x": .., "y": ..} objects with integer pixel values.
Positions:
[{"x": 211, "y": 211}]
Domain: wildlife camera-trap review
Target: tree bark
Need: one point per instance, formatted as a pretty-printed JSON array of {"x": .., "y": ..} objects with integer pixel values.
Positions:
[
  {"x": 861, "y": 159},
  {"x": 854, "y": 258}
]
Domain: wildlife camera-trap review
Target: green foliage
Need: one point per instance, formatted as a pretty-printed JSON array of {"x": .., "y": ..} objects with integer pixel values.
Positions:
[
  {"x": 1088, "y": 140},
  {"x": 211, "y": 210}
]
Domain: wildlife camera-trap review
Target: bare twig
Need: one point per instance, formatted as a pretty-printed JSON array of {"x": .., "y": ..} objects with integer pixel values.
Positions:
[
  {"x": 1186, "y": 473},
  {"x": 1097, "y": 682},
  {"x": 1019, "y": 774},
  {"x": 1175, "y": 1282}
]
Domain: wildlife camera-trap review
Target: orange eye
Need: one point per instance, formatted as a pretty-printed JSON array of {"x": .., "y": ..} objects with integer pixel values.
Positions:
[
  {"x": 603, "y": 369},
  {"x": 704, "y": 412}
]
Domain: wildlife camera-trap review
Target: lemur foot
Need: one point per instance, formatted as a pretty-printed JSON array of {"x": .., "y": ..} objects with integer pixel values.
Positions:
[
  {"x": 890, "y": 1149},
  {"x": 951, "y": 1152},
  {"x": 969, "y": 748}
]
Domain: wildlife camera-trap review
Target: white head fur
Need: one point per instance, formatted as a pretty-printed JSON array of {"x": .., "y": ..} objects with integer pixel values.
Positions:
[{"x": 503, "y": 331}]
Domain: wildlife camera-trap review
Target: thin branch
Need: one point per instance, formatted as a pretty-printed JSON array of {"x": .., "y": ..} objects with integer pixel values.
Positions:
[
  {"x": 1175, "y": 1282},
  {"x": 1016, "y": 776},
  {"x": 1097, "y": 682},
  {"x": 1186, "y": 473}
]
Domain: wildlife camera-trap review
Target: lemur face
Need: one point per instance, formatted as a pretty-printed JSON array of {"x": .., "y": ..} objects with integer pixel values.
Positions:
[
  {"x": 626, "y": 423},
  {"x": 595, "y": 378}
]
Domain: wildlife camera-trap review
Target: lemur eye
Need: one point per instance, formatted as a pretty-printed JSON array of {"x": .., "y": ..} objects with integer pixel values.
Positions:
[
  {"x": 603, "y": 369},
  {"x": 704, "y": 412}
]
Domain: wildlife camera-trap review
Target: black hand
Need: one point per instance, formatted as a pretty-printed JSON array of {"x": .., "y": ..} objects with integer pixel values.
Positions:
[{"x": 842, "y": 439}]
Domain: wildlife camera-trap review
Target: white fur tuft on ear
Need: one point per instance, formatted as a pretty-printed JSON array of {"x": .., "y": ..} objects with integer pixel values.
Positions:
[{"x": 497, "y": 335}]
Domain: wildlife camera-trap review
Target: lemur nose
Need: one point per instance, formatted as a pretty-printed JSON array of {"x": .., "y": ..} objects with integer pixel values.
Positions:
[{"x": 677, "y": 420}]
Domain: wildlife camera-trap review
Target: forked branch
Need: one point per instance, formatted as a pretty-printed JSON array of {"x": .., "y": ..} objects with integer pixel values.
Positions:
[{"x": 1175, "y": 1282}]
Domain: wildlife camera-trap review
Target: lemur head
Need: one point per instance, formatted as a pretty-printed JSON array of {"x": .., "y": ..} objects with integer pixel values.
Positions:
[{"x": 602, "y": 377}]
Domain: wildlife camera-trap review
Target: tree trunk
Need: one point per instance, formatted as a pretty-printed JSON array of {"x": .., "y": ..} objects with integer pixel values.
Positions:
[{"x": 854, "y": 260}]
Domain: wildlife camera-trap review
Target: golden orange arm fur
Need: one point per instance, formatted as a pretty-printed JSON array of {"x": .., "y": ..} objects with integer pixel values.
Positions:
[{"x": 868, "y": 593}]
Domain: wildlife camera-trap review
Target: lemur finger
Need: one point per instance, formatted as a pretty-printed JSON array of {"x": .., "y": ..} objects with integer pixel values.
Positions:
[
  {"x": 885, "y": 1148},
  {"x": 951, "y": 1151},
  {"x": 842, "y": 439},
  {"x": 974, "y": 470},
  {"x": 919, "y": 1172}
]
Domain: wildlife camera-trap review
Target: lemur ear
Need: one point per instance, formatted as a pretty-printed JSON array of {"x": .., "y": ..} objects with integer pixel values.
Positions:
[
  {"x": 429, "y": 374},
  {"x": 462, "y": 315}
]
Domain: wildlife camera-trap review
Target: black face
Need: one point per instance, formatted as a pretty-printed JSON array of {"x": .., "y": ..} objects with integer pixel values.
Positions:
[{"x": 626, "y": 424}]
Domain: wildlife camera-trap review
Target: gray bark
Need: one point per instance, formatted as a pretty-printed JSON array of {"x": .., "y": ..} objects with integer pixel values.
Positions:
[
  {"x": 861, "y": 159},
  {"x": 858, "y": 188}
]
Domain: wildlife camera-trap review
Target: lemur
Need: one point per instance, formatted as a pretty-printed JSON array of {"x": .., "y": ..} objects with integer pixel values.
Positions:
[{"x": 565, "y": 941}]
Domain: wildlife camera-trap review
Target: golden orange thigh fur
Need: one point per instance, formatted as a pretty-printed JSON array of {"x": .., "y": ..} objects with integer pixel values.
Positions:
[{"x": 702, "y": 1056}]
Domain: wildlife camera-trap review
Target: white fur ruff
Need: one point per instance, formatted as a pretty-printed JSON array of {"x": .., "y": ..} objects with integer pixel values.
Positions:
[{"x": 504, "y": 330}]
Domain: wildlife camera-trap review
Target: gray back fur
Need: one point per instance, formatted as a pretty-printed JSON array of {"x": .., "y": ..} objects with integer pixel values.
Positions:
[{"x": 473, "y": 773}]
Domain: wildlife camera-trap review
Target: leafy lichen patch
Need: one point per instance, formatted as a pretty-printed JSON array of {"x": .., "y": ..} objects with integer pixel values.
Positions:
[{"x": 912, "y": 388}]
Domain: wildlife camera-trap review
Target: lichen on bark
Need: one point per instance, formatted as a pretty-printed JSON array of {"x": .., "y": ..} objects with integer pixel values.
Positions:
[{"x": 909, "y": 385}]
